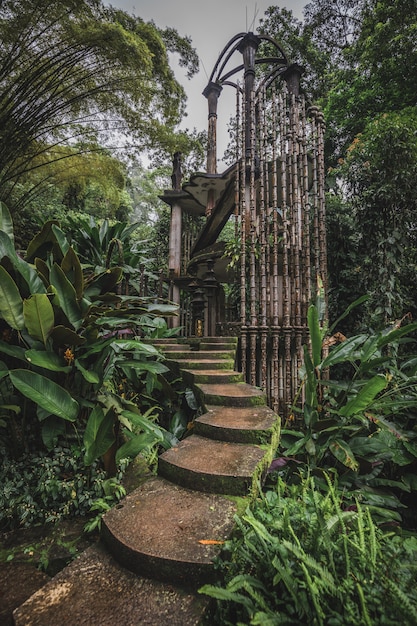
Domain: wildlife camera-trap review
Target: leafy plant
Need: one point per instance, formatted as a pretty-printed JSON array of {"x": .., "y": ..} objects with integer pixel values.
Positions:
[
  {"x": 299, "y": 557},
  {"x": 73, "y": 355},
  {"x": 362, "y": 422},
  {"x": 45, "y": 487}
]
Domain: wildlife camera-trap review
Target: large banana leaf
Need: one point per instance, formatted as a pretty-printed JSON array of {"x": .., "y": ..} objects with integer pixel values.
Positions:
[
  {"x": 364, "y": 397},
  {"x": 315, "y": 334},
  {"x": 48, "y": 360},
  {"x": 6, "y": 222},
  {"x": 39, "y": 316},
  {"x": 67, "y": 296},
  {"x": 64, "y": 337},
  {"x": 134, "y": 446},
  {"x": 11, "y": 303},
  {"x": 47, "y": 394},
  {"x": 99, "y": 434},
  {"x": 71, "y": 267},
  {"x": 42, "y": 242},
  {"x": 15, "y": 351},
  {"x": 27, "y": 271}
]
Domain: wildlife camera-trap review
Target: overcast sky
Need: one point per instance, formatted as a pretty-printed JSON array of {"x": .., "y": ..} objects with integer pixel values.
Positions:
[{"x": 210, "y": 24}]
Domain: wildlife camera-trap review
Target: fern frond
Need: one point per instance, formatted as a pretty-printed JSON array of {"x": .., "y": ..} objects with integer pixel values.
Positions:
[{"x": 402, "y": 600}]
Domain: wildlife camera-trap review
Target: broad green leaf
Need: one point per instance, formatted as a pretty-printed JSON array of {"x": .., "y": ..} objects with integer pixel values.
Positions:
[
  {"x": 104, "y": 282},
  {"x": 365, "y": 396},
  {"x": 344, "y": 352},
  {"x": 315, "y": 334},
  {"x": 39, "y": 316},
  {"x": 64, "y": 337},
  {"x": 99, "y": 434},
  {"x": 43, "y": 270},
  {"x": 90, "y": 377},
  {"x": 52, "y": 428},
  {"x": 61, "y": 239},
  {"x": 162, "y": 309},
  {"x": 143, "y": 422},
  {"x": 71, "y": 267},
  {"x": 67, "y": 296},
  {"x": 144, "y": 366},
  {"x": 311, "y": 380},
  {"x": 136, "y": 346},
  {"x": 395, "y": 334},
  {"x": 344, "y": 454},
  {"x": 45, "y": 393},
  {"x": 134, "y": 446},
  {"x": 15, "y": 351},
  {"x": 6, "y": 222},
  {"x": 27, "y": 271},
  {"x": 46, "y": 359},
  {"x": 41, "y": 242},
  {"x": 11, "y": 303}
]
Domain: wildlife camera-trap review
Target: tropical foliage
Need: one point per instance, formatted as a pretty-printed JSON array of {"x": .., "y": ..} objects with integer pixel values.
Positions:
[
  {"x": 72, "y": 357},
  {"x": 77, "y": 76},
  {"x": 301, "y": 557}
]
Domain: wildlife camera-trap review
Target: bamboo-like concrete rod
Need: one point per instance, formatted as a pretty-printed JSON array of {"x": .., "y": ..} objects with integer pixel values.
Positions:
[
  {"x": 285, "y": 220},
  {"x": 321, "y": 202},
  {"x": 296, "y": 209},
  {"x": 307, "y": 216},
  {"x": 253, "y": 280},
  {"x": 243, "y": 221},
  {"x": 263, "y": 239}
]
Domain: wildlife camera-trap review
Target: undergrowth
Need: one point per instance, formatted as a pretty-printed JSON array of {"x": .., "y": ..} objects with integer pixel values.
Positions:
[{"x": 298, "y": 558}]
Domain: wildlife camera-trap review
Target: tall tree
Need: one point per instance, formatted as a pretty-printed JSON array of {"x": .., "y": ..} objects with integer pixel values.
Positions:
[{"x": 73, "y": 72}]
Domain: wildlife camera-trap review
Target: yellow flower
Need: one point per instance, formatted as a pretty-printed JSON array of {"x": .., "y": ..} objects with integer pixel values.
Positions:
[{"x": 69, "y": 356}]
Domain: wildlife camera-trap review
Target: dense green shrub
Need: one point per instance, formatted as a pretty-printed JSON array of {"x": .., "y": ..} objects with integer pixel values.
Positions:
[
  {"x": 298, "y": 558},
  {"x": 41, "y": 488}
]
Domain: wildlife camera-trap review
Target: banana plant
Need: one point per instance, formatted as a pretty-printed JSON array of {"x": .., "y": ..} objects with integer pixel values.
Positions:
[
  {"x": 70, "y": 343},
  {"x": 362, "y": 422}
]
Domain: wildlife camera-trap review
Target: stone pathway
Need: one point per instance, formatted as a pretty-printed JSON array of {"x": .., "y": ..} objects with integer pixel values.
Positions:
[{"x": 158, "y": 544}]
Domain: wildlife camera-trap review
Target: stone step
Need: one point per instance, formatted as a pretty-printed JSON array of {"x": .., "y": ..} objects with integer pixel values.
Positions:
[
  {"x": 95, "y": 590},
  {"x": 201, "y": 355},
  {"x": 238, "y": 424},
  {"x": 168, "y": 532},
  {"x": 194, "y": 363},
  {"x": 212, "y": 376},
  {"x": 235, "y": 394},
  {"x": 208, "y": 345},
  {"x": 212, "y": 466}
]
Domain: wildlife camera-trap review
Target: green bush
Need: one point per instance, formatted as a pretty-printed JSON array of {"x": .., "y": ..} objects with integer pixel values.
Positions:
[
  {"x": 41, "y": 488},
  {"x": 298, "y": 558}
]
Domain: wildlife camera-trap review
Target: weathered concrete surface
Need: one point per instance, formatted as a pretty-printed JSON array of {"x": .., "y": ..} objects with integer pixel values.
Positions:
[
  {"x": 18, "y": 581},
  {"x": 164, "y": 531},
  {"x": 212, "y": 466},
  {"x": 95, "y": 591},
  {"x": 234, "y": 394},
  {"x": 237, "y": 424},
  {"x": 212, "y": 376}
]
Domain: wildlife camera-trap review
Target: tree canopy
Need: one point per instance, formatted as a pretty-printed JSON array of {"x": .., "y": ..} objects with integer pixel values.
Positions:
[
  {"x": 76, "y": 73},
  {"x": 360, "y": 59}
]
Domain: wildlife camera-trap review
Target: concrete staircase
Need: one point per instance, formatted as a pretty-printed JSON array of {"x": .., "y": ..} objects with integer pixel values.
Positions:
[{"x": 158, "y": 544}]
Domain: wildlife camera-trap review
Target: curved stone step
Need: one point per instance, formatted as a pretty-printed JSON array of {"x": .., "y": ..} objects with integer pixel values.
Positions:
[
  {"x": 201, "y": 355},
  {"x": 238, "y": 424},
  {"x": 212, "y": 376},
  {"x": 212, "y": 466},
  {"x": 194, "y": 363},
  {"x": 236, "y": 394},
  {"x": 167, "y": 532},
  {"x": 209, "y": 345},
  {"x": 95, "y": 590}
]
